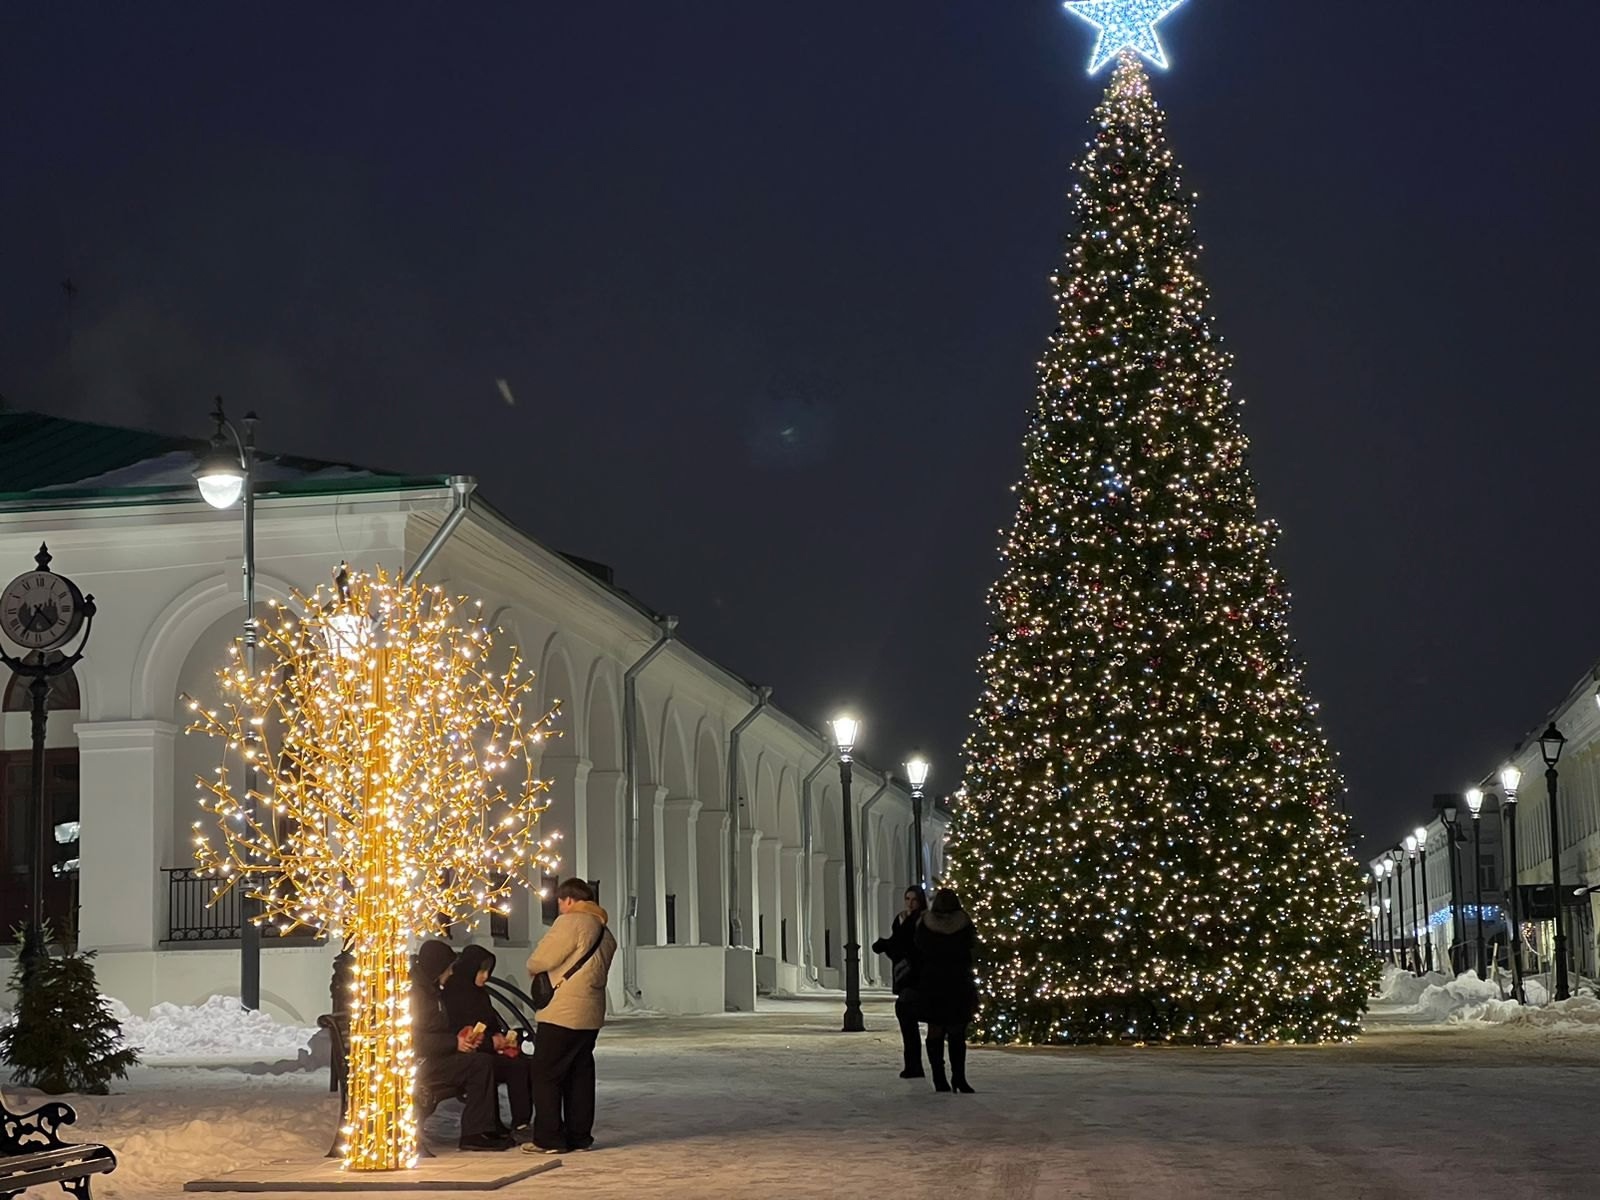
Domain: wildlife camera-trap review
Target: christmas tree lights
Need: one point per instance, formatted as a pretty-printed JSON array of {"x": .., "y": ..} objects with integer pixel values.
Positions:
[
  {"x": 396, "y": 796},
  {"x": 1151, "y": 840}
]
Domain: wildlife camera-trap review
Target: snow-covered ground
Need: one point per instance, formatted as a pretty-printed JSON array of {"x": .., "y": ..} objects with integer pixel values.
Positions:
[{"x": 780, "y": 1104}]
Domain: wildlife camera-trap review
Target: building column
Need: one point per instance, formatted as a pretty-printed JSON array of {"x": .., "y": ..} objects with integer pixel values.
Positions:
[
  {"x": 711, "y": 833},
  {"x": 792, "y": 930},
  {"x": 749, "y": 882},
  {"x": 125, "y": 807},
  {"x": 652, "y": 865},
  {"x": 568, "y": 815},
  {"x": 769, "y": 911},
  {"x": 681, "y": 815}
]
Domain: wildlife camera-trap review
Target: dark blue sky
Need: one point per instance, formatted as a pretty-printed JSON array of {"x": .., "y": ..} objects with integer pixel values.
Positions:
[{"x": 768, "y": 282}]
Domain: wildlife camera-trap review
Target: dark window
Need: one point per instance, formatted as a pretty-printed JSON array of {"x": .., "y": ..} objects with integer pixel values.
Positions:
[
  {"x": 783, "y": 937},
  {"x": 549, "y": 908},
  {"x": 672, "y": 919},
  {"x": 827, "y": 947}
]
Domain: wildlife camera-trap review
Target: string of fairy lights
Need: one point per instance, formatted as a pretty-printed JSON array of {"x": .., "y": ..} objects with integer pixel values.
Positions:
[
  {"x": 396, "y": 797},
  {"x": 1151, "y": 837}
]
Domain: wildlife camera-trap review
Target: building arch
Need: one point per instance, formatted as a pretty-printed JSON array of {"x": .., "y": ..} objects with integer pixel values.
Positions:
[{"x": 172, "y": 636}]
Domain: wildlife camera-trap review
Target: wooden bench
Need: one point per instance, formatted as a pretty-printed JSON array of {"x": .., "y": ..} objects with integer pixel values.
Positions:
[{"x": 32, "y": 1153}]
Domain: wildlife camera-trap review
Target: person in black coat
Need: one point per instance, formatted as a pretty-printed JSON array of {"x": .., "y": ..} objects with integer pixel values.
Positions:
[
  {"x": 901, "y": 949},
  {"x": 946, "y": 947},
  {"x": 447, "y": 1059},
  {"x": 466, "y": 1000}
]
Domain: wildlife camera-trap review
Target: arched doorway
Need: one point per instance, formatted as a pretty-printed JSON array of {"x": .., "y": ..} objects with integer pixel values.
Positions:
[{"x": 20, "y": 833}]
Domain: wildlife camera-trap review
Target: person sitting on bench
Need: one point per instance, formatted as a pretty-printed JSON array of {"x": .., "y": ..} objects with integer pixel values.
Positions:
[
  {"x": 466, "y": 1000},
  {"x": 447, "y": 1058}
]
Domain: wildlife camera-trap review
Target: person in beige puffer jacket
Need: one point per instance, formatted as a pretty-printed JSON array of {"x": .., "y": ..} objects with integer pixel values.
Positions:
[{"x": 563, "y": 1048}]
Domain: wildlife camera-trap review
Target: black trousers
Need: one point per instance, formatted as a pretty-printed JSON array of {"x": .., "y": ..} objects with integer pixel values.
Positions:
[
  {"x": 956, "y": 1036},
  {"x": 905, "y": 1012},
  {"x": 563, "y": 1085},
  {"x": 473, "y": 1076},
  {"x": 517, "y": 1074}
]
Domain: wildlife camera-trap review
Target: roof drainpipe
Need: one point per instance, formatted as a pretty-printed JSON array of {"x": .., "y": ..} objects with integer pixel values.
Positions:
[
  {"x": 861, "y": 863},
  {"x": 735, "y": 926},
  {"x": 630, "y": 755},
  {"x": 807, "y": 958},
  {"x": 461, "y": 489}
]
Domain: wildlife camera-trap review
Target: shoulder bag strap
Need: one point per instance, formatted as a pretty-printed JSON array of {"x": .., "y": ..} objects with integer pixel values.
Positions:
[{"x": 587, "y": 955}]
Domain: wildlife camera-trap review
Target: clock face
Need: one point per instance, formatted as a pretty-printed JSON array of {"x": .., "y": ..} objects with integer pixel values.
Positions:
[{"x": 40, "y": 610}]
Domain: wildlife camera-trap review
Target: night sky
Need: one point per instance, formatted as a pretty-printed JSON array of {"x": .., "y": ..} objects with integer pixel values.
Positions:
[{"x": 767, "y": 282}]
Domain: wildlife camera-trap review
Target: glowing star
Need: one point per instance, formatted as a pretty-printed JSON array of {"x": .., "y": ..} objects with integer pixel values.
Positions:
[{"x": 1125, "y": 25}]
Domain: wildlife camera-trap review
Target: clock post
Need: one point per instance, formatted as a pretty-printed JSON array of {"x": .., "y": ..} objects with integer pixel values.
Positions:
[{"x": 41, "y": 611}]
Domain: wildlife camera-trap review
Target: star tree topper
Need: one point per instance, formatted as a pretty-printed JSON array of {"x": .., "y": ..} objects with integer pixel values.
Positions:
[{"x": 1125, "y": 25}]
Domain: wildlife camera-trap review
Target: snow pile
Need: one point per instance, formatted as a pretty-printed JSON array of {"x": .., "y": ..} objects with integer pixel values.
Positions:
[
  {"x": 221, "y": 1028},
  {"x": 1454, "y": 999},
  {"x": 1402, "y": 988},
  {"x": 1580, "y": 1012}
]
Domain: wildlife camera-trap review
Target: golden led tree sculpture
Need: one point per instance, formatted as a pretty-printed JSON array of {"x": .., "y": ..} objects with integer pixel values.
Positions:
[{"x": 396, "y": 795}]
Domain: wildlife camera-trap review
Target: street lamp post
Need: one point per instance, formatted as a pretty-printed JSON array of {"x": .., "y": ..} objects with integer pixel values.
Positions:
[
  {"x": 845, "y": 731},
  {"x": 224, "y": 475},
  {"x": 1396, "y": 954},
  {"x": 917, "y": 772},
  {"x": 1380, "y": 908},
  {"x": 1376, "y": 911},
  {"x": 1388, "y": 920},
  {"x": 1396, "y": 856},
  {"x": 1416, "y": 907},
  {"x": 1475, "y": 806},
  {"x": 1550, "y": 744},
  {"x": 1510, "y": 781},
  {"x": 1427, "y": 922},
  {"x": 1458, "y": 929}
]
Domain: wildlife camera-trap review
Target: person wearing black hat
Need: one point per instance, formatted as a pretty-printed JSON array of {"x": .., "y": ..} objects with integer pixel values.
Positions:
[
  {"x": 447, "y": 1059},
  {"x": 467, "y": 1003},
  {"x": 946, "y": 946}
]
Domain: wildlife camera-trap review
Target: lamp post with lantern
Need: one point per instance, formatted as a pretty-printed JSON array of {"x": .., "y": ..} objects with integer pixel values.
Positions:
[
  {"x": 1551, "y": 742},
  {"x": 1510, "y": 781},
  {"x": 1427, "y": 923},
  {"x": 1397, "y": 856},
  {"x": 1416, "y": 907},
  {"x": 917, "y": 774},
  {"x": 225, "y": 475},
  {"x": 845, "y": 732},
  {"x": 1397, "y": 908},
  {"x": 1448, "y": 813},
  {"x": 1475, "y": 807}
]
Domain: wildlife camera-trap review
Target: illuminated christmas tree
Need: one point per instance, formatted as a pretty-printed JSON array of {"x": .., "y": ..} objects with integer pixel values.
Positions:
[
  {"x": 1151, "y": 841},
  {"x": 393, "y": 796}
]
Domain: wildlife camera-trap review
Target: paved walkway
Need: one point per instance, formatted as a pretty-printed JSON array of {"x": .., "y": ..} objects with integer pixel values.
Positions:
[{"x": 780, "y": 1104}]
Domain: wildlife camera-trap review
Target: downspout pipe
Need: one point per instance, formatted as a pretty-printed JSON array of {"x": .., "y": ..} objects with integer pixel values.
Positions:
[
  {"x": 666, "y": 627},
  {"x": 868, "y": 903},
  {"x": 735, "y": 925},
  {"x": 807, "y": 957},
  {"x": 461, "y": 489}
]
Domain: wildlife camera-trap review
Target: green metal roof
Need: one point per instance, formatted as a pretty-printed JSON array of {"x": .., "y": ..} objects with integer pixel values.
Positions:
[
  {"x": 37, "y": 451},
  {"x": 47, "y": 460}
]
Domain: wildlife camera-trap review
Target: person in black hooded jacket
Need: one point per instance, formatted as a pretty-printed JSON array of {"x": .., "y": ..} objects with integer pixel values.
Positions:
[
  {"x": 447, "y": 1059},
  {"x": 946, "y": 947},
  {"x": 901, "y": 949},
  {"x": 466, "y": 1000}
]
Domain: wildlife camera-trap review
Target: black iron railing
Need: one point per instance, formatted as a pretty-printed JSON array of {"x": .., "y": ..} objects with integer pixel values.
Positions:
[{"x": 192, "y": 916}]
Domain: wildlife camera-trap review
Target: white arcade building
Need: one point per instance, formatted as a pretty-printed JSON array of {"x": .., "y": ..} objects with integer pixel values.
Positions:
[{"x": 735, "y": 806}]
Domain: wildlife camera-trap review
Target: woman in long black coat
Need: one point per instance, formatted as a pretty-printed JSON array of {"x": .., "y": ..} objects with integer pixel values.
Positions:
[
  {"x": 946, "y": 947},
  {"x": 466, "y": 1000},
  {"x": 901, "y": 949}
]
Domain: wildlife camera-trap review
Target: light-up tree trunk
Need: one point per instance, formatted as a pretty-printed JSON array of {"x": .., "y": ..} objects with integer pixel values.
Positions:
[{"x": 379, "y": 733}]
